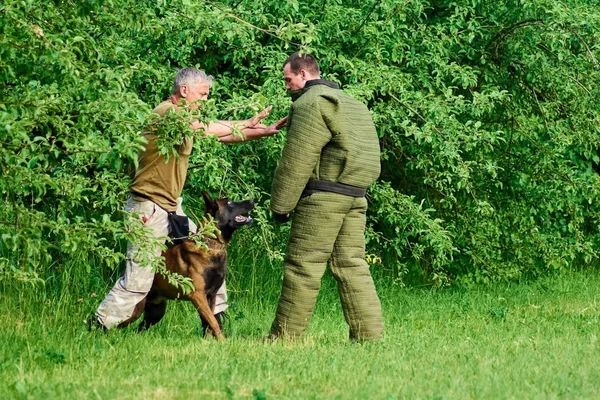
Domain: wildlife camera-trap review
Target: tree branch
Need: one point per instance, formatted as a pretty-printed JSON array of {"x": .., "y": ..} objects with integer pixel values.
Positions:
[
  {"x": 594, "y": 61},
  {"x": 499, "y": 37},
  {"x": 231, "y": 15},
  {"x": 366, "y": 18}
]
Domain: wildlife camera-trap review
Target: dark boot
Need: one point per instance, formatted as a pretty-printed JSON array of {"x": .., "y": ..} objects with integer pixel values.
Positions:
[{"x": 93, "y": 324}]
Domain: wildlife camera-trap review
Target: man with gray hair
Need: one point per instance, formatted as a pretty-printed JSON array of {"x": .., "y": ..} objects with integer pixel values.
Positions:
[{"x": 156, "y": 191}]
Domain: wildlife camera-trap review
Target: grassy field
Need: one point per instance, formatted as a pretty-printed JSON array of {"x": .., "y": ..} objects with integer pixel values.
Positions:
[{"x": 510, "y": 341}]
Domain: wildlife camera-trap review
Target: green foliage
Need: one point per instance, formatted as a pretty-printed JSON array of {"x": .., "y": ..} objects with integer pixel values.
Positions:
[
  {"x": 488, "y": 114},
  {"x": 515, "y": 341}
]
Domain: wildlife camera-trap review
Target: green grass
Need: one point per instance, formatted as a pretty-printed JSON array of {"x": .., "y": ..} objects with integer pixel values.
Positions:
[{"x": 509, "y": 341}]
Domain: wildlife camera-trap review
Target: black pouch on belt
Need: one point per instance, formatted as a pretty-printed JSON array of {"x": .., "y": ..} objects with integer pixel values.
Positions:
[{"x": 180, "y": 228}]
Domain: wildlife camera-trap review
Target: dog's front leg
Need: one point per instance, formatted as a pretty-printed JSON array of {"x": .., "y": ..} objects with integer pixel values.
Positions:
[
  {"x": 211, "y": 304},
  {"x": 199, "y": 301}
]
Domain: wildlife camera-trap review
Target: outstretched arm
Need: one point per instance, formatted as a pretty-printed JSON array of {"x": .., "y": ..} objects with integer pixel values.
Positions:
[
  {"x": 224, "y": 129},
  {"x": 256, "y": 132}
]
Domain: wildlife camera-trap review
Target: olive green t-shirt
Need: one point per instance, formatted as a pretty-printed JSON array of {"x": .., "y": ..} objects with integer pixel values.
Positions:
[{"x": 156, "y": 179}]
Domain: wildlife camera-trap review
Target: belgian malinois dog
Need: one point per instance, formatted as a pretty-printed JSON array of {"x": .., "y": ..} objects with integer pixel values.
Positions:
[{"x": 205, "y": 267}]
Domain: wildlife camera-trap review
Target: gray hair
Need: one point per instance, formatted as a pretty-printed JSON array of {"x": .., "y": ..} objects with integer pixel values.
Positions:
[{"x": 189, "y": 76}]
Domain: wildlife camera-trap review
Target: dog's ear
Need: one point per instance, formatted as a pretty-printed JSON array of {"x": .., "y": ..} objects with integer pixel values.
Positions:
[{"x": 210, "y": 204}]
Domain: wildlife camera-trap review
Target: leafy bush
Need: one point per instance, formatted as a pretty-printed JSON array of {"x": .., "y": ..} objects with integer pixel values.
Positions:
[{"x": 487, "y": 112}]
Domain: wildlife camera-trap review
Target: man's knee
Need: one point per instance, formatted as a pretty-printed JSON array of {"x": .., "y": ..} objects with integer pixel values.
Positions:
[
  {"x": 137, "y": 279},
  {"x": 302, "y": 279}
]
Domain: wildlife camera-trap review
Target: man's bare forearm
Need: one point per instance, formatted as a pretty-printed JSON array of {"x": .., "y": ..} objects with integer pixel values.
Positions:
[
  {"x": 248, "y": 134},
  {"x": 238, "y": 131}
]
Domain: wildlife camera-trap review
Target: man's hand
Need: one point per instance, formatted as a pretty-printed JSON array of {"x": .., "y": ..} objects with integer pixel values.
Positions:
[
  {"x": 280, "y": 124},
  {"x": 274, "y": 128},
  {"x": 252, "y": 122},
  {"x": 260, "y": 130},
  {"x": 281, "y": 218}
]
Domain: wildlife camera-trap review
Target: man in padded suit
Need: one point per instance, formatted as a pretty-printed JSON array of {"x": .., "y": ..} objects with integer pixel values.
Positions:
[{"x": 330, "y": 157}]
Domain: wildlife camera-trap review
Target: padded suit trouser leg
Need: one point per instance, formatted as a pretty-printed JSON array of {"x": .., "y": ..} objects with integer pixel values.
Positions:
[
  {"x": 360, "y": 303},
  {"x": 328, "y": 225}
]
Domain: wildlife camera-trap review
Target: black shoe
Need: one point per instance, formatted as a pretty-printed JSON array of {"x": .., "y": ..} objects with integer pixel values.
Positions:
[
  {"x": 94, "y": 325},
  {"x": 220, "y": 317}
]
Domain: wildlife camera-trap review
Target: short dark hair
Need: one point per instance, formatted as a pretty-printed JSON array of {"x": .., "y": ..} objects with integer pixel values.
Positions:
[{"x": 304, "y": 61}]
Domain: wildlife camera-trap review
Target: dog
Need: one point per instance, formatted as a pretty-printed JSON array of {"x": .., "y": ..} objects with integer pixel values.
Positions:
[{"x": 206, "y": 267}]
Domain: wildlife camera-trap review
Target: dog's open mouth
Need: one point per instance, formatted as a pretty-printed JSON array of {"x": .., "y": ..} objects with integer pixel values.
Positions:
[{"x": 240, "y": 219}]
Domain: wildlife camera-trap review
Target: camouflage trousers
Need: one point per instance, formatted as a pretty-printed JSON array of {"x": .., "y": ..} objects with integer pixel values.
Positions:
[
  {"x": 328, "y": 227},
  {"x": 135, "y": 283}
]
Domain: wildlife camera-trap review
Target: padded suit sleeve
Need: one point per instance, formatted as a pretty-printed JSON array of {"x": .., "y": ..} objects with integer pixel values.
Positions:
[{"x": 307, "y": 135}]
